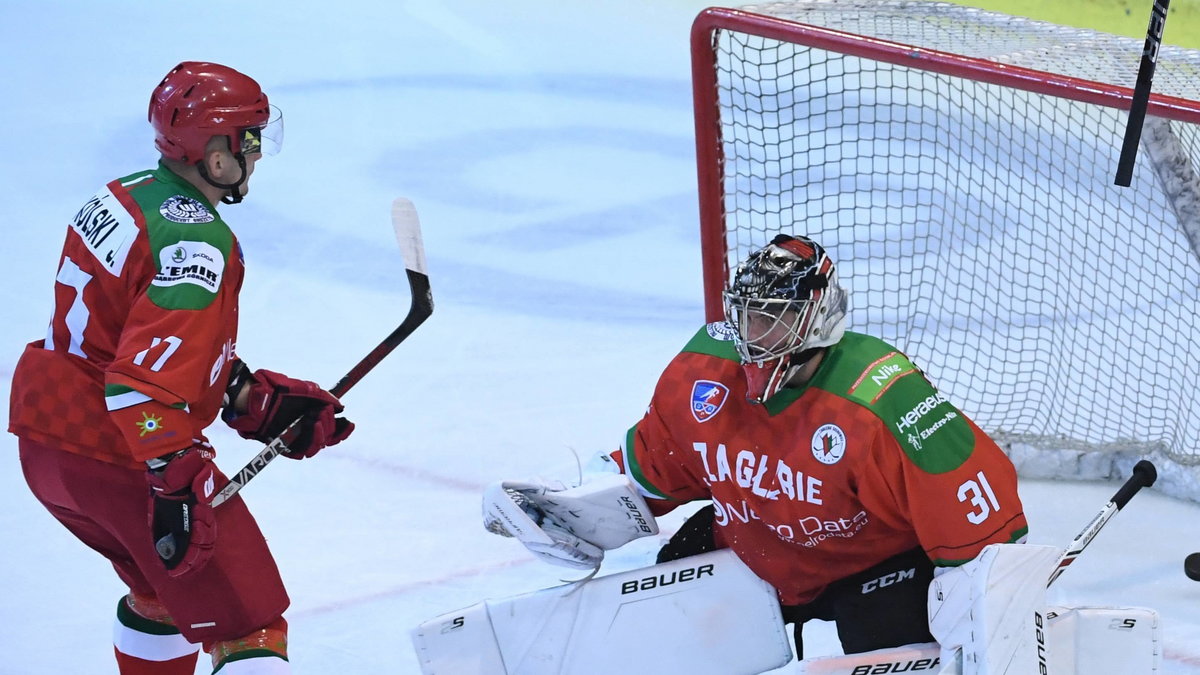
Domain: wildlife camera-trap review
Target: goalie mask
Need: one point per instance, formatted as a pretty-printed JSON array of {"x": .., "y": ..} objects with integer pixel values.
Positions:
[{"x": 784, "y": 302}]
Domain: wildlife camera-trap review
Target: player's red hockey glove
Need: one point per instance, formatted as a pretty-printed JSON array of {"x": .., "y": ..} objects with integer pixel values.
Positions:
[
  {"x": 276, "y": 400},
  {"x": 182, "y": 522}
]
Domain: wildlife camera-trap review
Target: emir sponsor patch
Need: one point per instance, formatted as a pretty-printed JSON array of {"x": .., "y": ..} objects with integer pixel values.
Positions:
[
  {"x": 707, "y": 399},
  {"x": 190, "y": 262},
  {"x": 180, "y": 209},
  {"x": 829, "y": 444},
  {"x": 107, "y": 230},
  {"x": 721, "y": 330}
]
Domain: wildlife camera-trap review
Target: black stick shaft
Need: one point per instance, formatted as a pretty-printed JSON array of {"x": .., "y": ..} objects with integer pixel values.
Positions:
[{"x": 1141, "y": 92}]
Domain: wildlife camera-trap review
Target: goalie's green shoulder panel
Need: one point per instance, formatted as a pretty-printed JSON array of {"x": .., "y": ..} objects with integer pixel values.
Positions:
[
  {"x": 714, "y": 339},
  {"x": 872, "y": 373},
  {"x": 189, "y": 243}
]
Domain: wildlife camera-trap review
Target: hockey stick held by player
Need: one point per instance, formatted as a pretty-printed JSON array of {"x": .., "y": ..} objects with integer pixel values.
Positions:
[{"x": 266, "y": 403}]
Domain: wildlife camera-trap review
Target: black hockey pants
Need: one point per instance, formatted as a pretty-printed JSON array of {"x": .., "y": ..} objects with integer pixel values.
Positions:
[{"x": 883, "y": 606}]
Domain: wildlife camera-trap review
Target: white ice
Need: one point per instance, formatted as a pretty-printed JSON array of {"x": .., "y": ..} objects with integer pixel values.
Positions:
[{"x": 549, "y": 149}]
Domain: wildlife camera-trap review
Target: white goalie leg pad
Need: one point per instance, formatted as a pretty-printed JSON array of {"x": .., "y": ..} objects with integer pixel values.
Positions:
[
  {"x": 1104, "y": 640},
  {"x": 703, "y": 615},
  {"x": 924, "y": 658},
  {"x": 993, "y": 609}
]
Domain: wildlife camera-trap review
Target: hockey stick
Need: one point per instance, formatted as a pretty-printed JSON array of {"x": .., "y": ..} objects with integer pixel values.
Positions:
[
  {"x": 1144, "y": 475},
  {"x": 1141, "y": 92},
  {"x": 408, "y": 234}
]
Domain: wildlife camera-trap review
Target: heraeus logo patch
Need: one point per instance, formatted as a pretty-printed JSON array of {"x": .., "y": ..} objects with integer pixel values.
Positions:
[{"x": 707, "y": 399}]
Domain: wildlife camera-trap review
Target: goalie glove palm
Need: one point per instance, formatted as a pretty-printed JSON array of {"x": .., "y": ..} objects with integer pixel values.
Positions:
[
  {"x": 507, "y": 511},
  {"x": 569, "y": 526}
]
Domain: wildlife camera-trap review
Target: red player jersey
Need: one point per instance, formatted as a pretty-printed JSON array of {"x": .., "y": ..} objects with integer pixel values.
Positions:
[
  {"x": 138, "y": 351},
  {"x": 817, "y": 483}
]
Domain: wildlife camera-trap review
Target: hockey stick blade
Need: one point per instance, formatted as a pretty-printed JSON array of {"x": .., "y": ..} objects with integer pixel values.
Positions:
[
  {"x": 1144, "y": 475},
  {"x": 1141, "y": 92},
  {"x": 408, "y": 234}
]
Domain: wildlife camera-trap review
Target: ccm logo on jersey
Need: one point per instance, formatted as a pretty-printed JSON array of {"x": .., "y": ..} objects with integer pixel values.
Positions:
[
  {"x": 707, "y": 399},
  {"x": 660, "y": 580}
]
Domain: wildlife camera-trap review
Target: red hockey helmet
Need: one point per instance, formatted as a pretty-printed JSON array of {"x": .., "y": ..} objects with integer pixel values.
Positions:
[{"x": 199, "y": 100}]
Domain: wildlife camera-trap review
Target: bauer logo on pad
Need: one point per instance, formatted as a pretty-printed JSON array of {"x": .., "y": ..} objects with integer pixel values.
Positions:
[{"x": 707, "y": 399}]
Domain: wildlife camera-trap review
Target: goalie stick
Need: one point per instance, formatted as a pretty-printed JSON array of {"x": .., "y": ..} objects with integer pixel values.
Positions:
[
  {"x": 408, "y": 234},
  {"x": 1141, "y": 92},
  {"x": 1144, "y": 475}
]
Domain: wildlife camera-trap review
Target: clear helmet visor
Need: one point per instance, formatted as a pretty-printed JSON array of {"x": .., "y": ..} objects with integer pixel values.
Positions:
[{"x": 267, "y": 139}]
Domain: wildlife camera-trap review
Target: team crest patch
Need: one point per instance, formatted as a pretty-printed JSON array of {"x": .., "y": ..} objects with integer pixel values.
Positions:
[
  {"x": 180, "y": 209},
  {"x": 721, "y": 330},
  {"x": 707, "y": 399},
  {"x": 829, "y": 444}
]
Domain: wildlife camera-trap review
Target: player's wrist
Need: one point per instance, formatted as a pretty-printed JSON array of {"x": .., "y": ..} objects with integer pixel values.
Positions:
[{"x": 157, "y": 464}]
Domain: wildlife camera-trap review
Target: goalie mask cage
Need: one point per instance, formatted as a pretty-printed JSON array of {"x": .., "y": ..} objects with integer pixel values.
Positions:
[{"x": 958, "y": 164}]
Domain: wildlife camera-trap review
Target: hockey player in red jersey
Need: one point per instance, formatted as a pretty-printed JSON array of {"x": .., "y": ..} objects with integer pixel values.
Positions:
[
  {"x": 139, "y": 358},
  {"x": 836, "y": 471}
]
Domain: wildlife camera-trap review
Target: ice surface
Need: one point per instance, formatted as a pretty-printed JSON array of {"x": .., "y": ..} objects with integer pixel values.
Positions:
[{"x": 548, "y": 148}]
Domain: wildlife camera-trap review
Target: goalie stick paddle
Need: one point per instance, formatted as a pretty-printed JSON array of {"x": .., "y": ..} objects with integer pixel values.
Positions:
[
  {"x": 408, "y": 235},
  {"x": 1144, "y": 475},
  {"x": 1141, "y": 92}
]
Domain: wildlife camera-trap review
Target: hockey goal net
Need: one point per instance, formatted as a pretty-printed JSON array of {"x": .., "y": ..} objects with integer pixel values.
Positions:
[{"x": 959, "y": 166}]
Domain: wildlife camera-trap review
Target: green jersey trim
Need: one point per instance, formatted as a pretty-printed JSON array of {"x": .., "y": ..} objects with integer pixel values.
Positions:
[
  {"x": 633, "y": 469},
  {"x": 716, "y": 340},
  {"x": 1016, "y": 536},
  {"x": 118, "y": 397}
]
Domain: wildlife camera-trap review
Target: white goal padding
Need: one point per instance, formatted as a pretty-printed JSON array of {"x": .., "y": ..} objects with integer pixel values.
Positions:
[{"x": 703, "y": 615}]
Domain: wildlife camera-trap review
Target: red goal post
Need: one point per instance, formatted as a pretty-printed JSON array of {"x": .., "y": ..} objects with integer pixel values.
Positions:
[{"x": 958, "y": 163}]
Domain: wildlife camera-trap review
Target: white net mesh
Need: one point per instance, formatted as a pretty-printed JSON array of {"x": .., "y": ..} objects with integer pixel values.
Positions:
[{"x": 977, "y": 225}]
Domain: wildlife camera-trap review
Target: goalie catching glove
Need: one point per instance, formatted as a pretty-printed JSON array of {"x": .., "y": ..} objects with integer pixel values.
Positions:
[{"x": 572, "y": 527}]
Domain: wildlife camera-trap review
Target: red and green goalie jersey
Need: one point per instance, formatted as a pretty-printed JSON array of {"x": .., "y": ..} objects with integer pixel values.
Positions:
[
  {"x": 137, "y": 354},
  {"x": 866, "y": 461}
]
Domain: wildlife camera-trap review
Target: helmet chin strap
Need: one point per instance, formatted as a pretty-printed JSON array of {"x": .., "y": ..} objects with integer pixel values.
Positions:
[{"x": 234, "y": 195}]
